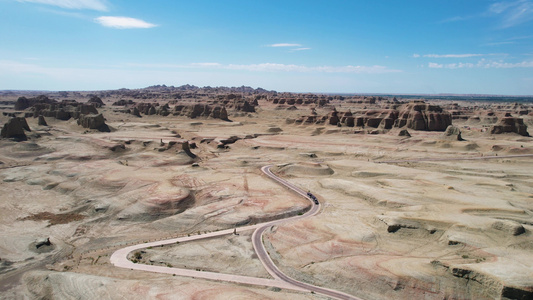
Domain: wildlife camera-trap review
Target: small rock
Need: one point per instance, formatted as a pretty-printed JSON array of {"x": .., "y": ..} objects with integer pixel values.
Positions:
[
  {"x": 101, "y": 207},
  {"x": 274, "y": 129},
  {"x": 509, "y": 226},
  {"x": 42, "y": 242},
  {"x": 453, "y": 133},
  {"x": 404, "y": 132},
  {"x": 42, "y": 121}
]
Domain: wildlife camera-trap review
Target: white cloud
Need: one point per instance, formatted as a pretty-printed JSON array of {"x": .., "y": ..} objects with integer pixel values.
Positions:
[
  {"x": 206, "y": 64},
  {"x": 459, "y": 55},
  {"x": 513, "y": 12},
  {"x": 285, "y": 45},
  {"x": 73, "y": 4},
  {"x": 523, "y": 64},
  {"x": 507, "y": 13},
  {"x": 482, "y": 64},
  {"x": 123, "y": 22},
  {"x": 300, "y": 49},
  {"x": 435, "y": 65},
  {"x": 453, "y": 55},
  {"x": 273, "y": 67}
]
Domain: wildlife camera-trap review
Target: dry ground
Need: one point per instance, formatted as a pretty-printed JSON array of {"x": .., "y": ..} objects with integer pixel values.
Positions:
[{"x": 421, "y": 229}]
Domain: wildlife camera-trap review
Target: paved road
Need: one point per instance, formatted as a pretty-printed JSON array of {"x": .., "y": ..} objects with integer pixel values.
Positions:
[{"x": 119, "y": 257}]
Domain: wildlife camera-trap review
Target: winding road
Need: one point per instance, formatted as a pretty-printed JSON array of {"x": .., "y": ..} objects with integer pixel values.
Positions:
[{"x": 120, "y": 257}]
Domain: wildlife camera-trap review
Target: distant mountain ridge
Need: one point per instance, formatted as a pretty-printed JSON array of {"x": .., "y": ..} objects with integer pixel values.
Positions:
[{"x": 158, "y": 90}]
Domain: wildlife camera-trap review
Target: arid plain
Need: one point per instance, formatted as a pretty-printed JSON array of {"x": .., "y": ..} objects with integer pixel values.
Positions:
[{"x": 405, "y": 213}]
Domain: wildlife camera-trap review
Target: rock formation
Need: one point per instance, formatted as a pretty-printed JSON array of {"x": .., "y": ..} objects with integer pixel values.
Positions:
[
  {"x": 201, "y": 110},
  {"x": 22, "y": 102},
  {"x": 147, "y": 108},
  {"x": 96, "y": 101},
  {"x": 415, "y": 115},
  {"x": 187, "y": 149},
  {"x": 135, "y": 111},
  {"x": 14, "y": 128},
  {"x": 42, "y": 121},
  {"x": 510, "y": 124},
  {"x": 404, "y": 132},
  {"x": 418, "y": 115},
  {"x": 93, "y": 122},
  {"x": 62, "y": 111},
  {"x": 237, "y": 103},
  {"x": 123, "y": 102},
  {"x": 452, "y": 133},
  {"x": 244, "y": 106},
  {"x": 41, "y": 242}
]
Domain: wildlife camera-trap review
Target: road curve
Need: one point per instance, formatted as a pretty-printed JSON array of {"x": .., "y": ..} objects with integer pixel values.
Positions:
[{"x": 119, "y": 257}]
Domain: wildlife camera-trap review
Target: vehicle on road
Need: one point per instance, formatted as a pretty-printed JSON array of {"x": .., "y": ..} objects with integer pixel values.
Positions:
[{"x": 312, "y": 197}]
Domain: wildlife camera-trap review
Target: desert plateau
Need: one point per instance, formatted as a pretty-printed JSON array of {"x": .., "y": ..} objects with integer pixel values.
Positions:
[{"x": 415, "y": 198}]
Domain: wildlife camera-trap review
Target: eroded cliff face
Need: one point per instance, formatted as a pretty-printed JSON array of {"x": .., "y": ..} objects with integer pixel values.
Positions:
[
  {"x": 510, "y": 124},
  {"x": 423, "y": 116},
  {"x": 414, "y": 115}
]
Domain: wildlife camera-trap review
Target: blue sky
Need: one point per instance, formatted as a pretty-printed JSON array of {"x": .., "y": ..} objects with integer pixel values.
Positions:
[{"x": 430, "y": 46}]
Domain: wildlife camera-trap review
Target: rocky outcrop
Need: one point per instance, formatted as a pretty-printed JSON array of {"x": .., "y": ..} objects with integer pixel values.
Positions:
[
  {"x": 62, "y": 111},
  {"x": 147, "y": 108},
  {"x": 483, "y": 117},
  {"x": 244, "y": 106},
  {"x": 14, "y": 128},
  {"x": 123, "y": 102},
  {"x": 135, "y": 111},
  {"x": 163, "y": 110},
  {"x": 42, "y": 242},
  {"x": 22, "y": 102},
  {"x": 509, "y": 226},
  {"x": 415, "y": 115},
  {"x": 418, "y": 115},
  {"x": 508, "y": 125},
  {"x": 186, "y": 147},
  {"x": 93, "y": 122},
  {"x": 304, "y": 100},
  {"x": 404, "y": 132},
  {"x": 452, "y": 133},
  {"x": 237, "y": 102},
  {"x": 333, "y": 118},
  {"x": 201, "y": 110},
  {"x": 42, "y": 121},
  {"x": 96, "y": 101}
]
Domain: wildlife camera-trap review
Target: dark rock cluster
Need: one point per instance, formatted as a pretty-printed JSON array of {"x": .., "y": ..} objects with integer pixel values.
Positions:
[
  {"x": 42, "y": 106},
  {"x": 22, "y": 102},
  {"x": 510, "y": 124},
  {"x": 415, "y": 115},
  {"x": 62, "y": 110},
  {"x": 96, "y": 101},
  {"x": 14, "y": 128},
  {"x": 93, "y": 121},
  {"x": 201, "y": 110}
]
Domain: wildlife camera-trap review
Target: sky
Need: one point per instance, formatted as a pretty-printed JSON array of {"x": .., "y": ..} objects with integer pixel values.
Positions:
[{"x": 328, "y": 46}]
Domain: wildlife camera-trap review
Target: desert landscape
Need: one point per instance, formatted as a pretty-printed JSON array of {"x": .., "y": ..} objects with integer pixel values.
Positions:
[{"x": 415, "y": 198}]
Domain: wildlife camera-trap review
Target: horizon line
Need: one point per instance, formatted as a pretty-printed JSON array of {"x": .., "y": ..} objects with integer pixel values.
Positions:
[{"x": 306, "y": 92}]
